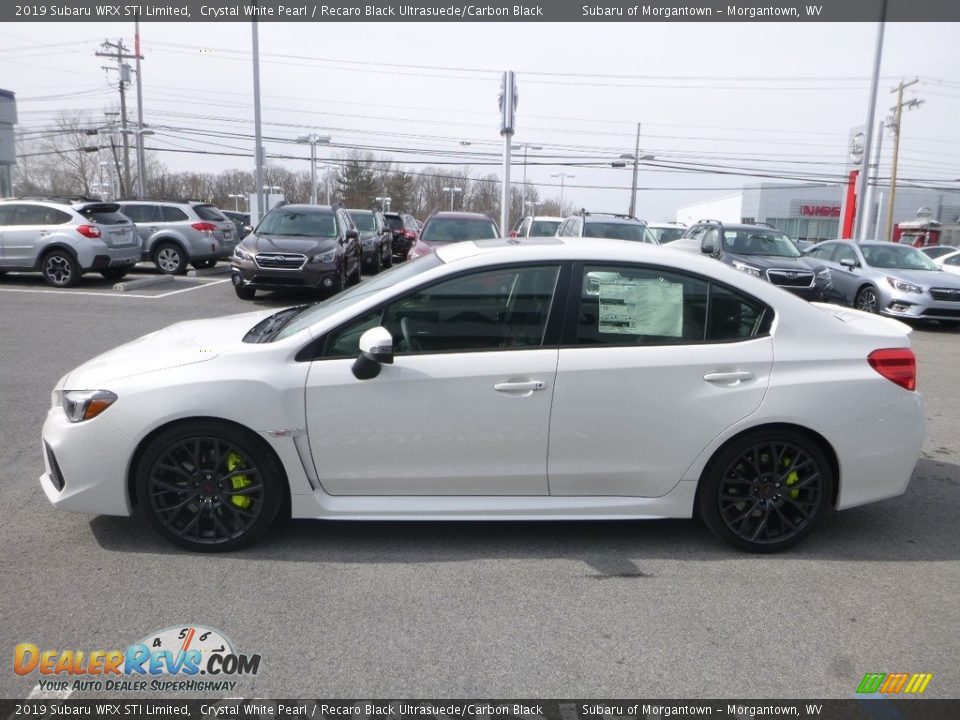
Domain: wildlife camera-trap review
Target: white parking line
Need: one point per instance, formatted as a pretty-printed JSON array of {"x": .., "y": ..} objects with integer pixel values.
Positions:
[{"x": 113, "y": 293}]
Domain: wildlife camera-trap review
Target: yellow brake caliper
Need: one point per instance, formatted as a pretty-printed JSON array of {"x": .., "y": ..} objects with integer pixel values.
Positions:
[
  {"x": 792, "y": 478},
  {"x": 239, "y": 482}
]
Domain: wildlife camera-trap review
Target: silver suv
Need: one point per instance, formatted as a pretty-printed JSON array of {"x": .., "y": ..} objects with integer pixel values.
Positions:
[
  {"x": 606, "y": 225},
  {"x": 177, "y": 232},
  {"x": 64, "y": 238}
]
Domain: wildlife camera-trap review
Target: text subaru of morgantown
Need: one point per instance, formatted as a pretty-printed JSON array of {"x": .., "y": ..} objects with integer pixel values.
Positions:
[{"x": 500, "y": 380}]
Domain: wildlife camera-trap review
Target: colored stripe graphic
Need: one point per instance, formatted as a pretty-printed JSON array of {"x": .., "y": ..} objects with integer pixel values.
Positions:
[{"x": 894, "y": 683}]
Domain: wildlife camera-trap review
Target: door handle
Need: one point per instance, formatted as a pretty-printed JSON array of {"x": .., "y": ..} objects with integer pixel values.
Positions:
[
  {"x": 526, "y": 386},
  {"x": 728, "y": 377}
]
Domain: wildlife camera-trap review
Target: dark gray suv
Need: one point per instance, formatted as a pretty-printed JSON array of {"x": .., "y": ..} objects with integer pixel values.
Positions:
[
  {"x": 63, "y": 238},
  {"x": 177, "y": 232}
]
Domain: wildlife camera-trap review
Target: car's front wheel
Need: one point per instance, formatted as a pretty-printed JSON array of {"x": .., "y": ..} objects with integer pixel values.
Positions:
[
  {"x": 766, "y": 490},
  {"x": 245, "y": 292},
  {"x": 170, "y": 259},
  {"x": 867, "y": 300},
  {"x": 210, "y": 486},
  {"x": 60, "y": 269}
]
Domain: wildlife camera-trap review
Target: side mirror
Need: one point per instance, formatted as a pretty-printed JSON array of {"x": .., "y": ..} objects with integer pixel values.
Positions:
[
  {"x": 353, "y": 235},
  {"x": 848, "y": 263},
  {"x": 376, "y": 349},
  {"x": 708, "y": 248}
]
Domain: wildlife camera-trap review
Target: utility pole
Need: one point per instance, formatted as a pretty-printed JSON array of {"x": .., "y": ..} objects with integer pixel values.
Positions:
[
  {"x": 898, "y": 109},
  {"x": 633, "y": 185},
  {"x": 119, "y": 51}
]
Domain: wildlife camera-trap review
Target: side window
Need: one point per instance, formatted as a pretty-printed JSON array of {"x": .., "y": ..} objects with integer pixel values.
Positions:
[
  {"x": 490, "y": 310},
  {"x": 711, "y": 234},
  {"x": 845, "y": 252},
  {"x": 344, "y": 341},
  {"x": 142, "y": 213},
  {"x": 29, "y": 215},
  {"x": 55, "y": 217},
  {"x": 953, "y": 260},
  {"x": 6, "y": 214},
  {"x": 173, "y": 214},
  {"x": 824, "y": 252},
  {"x": 650, "y": 306}
]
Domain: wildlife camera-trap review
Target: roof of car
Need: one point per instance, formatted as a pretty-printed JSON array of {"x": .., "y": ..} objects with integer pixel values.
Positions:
[
  {"x": 460, "y": 215},
  {"x": 609, "y": 218},
  {"x": 304, "y": 207}
]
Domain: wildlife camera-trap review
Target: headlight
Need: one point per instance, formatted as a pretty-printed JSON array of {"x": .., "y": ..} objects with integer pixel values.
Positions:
[
  {"x": 749, "y": 269},
  {"x": 242, "y": 254},
  {"x": 327, "y": 257},
  {"x": 824, "y": 276},
  {"x": 904, "y": 286},
  {"x": 369, "y": 242},
  {"x": 82, "y": 405}
]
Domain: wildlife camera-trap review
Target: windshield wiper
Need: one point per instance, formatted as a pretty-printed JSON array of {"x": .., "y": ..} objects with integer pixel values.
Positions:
[{"x": 266, "y": 329}]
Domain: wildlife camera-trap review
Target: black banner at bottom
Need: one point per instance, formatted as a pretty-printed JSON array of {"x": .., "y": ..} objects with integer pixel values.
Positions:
[{"x": 867, "y": 708}]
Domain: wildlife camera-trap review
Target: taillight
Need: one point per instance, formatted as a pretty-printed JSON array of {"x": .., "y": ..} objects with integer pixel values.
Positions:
[
  {"x": 898, "y": 365},
  {"x": 204, "y": 227},
  {"x": 90, "y": 231},
  {"x": 410, "y": 235}
]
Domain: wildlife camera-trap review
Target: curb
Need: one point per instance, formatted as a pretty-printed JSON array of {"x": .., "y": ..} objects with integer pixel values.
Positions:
[
  {"x": 143, "y": 282},
  {"x": 215, "y": 270}
]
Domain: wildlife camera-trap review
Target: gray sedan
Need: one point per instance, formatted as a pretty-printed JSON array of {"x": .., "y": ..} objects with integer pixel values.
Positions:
[{"x": 894, "y": 280}]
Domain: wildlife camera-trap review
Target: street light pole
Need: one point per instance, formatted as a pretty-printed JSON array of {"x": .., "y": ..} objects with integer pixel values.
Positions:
[
  {"x": 313, "y": 140},
  {"x": 633, "y": 185},
  {"x": 452, "y": 190},
  {"x": 563, "y": 176}
]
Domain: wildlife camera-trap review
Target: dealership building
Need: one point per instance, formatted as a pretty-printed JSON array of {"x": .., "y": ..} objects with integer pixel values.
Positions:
[
  {"x": 8, "y": 152},
  {"x": 812, "y": 211}
]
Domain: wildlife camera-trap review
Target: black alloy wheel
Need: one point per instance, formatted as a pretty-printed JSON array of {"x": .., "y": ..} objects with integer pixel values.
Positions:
[
  {"x": 209, "y": 486},
  {"x": 766, "y": 490},
  {"x": 388, "y": 259},
  {"x": 245, "y": 292},
  {"x": 357, "y": 273},
  {"x": 867, "y": 300}
]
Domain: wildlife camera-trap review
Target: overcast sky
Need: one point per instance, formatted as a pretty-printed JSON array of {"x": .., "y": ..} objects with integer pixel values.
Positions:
[{"x": 776, "y": 99}]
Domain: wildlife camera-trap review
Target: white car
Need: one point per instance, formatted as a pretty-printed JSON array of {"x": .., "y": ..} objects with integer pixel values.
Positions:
[
  {"x": 500, "y": 379},
  {"x": 950, "y": 262}
]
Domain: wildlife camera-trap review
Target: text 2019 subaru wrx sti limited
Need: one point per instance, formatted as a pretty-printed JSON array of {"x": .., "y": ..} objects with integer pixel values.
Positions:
[{"x": 542, "y": 378}]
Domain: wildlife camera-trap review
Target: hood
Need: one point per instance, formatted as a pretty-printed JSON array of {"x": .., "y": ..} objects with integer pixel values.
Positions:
[
  {"x": 185, "y": 343},
  {"x": 766, "y": 262},
  {"x": 284, "y": 243},
  {"x": 923, "y": 278}
]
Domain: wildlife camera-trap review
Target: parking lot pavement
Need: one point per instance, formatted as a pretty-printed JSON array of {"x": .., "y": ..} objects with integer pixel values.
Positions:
[{"x": 629, "y": 609}]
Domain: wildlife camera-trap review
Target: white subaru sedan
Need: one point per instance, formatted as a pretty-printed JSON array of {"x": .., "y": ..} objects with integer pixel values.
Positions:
[{"x": 532, "y": 379}]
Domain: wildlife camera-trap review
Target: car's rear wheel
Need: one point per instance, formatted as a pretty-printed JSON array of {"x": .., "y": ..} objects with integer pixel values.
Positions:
[
  {"x": 114, "y": 273},
  {"x": 210, "y": 486},
  {"x": 204, "y": 264},
  {"x": 60, "y": 269},
  {"x": 766, "y": 490},
  {"x": 245, "y": 292},
  {"x": 357, "y": 273},
  {"x": 170, "y": 259},
  {"x": 867, "y": 300}
]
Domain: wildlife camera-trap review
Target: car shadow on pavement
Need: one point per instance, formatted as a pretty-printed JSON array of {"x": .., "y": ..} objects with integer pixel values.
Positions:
[{"x": 920, "y": 525}]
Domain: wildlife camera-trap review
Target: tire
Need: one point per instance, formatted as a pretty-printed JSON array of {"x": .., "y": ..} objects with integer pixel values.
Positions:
[
  {"x": 867, "y": 300},
  {"x": 340, "y": 282},
  {"x": 204, "y": 264},
  {"x": 245, "y": 292},
  {"x": 170, "y": 259},
  {"x": 210, "y": 486},
  {"x": 114, "y": 273},
  {"x": 378, "y": 263},
  {"x": 59, "y": 269},
  {"x": 389, "y": 261},
  {"x": 766, "y": 490}
]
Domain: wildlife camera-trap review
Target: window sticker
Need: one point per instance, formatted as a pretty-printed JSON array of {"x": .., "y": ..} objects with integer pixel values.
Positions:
[{"x": 641, "y": 307}]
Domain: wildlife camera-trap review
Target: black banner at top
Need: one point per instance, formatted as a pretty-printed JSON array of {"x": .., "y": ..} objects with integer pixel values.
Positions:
[{"x": 481, "y": 11}]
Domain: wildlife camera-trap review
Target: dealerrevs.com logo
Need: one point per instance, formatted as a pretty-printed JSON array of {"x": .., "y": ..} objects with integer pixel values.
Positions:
[{"x": 183, "y": 653}]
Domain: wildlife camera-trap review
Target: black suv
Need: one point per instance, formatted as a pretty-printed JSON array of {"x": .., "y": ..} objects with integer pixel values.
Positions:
[
  {"x": 376, "y": 239},
  {"x": 758, "y": 250},
  {"x": 405, "y": 230},
  {"x": 298, "y": 246}
]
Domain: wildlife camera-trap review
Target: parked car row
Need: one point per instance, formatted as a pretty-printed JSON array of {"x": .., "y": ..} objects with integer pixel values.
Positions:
[{"x": 63, "y": 238}]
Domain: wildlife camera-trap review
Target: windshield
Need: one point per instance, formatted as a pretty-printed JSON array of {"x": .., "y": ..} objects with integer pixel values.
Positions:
[
  {"x": 759, "y": 242},
  {"x": 458, "y": 229},
  {"x": 544, "y": 227},
  {"x": 312, "y": 313},
  {"x": 619, "y": 231},
  {"x": 301, "y": 223},
  {"x": 666, "y": 235},
  {"x": 364, "y": 221},
  {"x": 899, "y": 257},
  {"x": 394, "y": 221}
]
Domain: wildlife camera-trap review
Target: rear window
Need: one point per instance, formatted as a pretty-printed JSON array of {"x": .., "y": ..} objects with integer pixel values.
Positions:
[
  {"x": 618, "y": 231},
  {"x": 544, "y": 227},
  {"x": 395, "y": 223},
  {"x": 363, "y": 221},
  {"x": 208, "y": 212},
  {"x": 103, "y": 215},
  {"x": 457, "y": 230}
]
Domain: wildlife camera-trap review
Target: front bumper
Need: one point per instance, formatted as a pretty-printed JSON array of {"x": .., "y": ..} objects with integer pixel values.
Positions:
[
  {"x": 85, "y": 465},
  {"x": 913, "y": 306},
  {"x": 320, "y": 276}
]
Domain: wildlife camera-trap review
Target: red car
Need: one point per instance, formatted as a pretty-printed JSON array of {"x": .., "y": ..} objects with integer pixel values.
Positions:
[{"x": 448, "y": 227}]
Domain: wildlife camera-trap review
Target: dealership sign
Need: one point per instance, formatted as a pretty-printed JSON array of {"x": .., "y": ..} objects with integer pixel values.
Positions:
[{"x": 814, "y": 209}]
